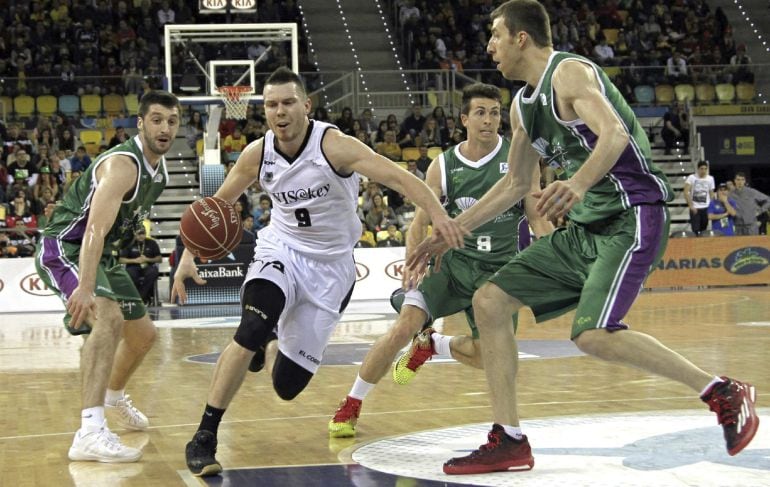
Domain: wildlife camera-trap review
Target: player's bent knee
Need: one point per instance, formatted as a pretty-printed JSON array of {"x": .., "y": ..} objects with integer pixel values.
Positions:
[
  {"x": 263, "y": 304},
  {"x": 289, "y": 378},
  {"x": 140, "y": 334}
]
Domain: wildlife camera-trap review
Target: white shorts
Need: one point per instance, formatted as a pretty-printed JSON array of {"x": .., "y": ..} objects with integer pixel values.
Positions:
[{"x": 315, "y": 291}]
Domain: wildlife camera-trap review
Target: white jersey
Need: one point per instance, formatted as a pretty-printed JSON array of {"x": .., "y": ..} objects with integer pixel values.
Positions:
[{"x": 314, "y": 207}]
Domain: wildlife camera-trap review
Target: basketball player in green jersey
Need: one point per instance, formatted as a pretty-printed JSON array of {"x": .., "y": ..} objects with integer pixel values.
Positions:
[
  {"x": 74, "y": 258},
  {"x": 459, "y": 176},
  {"x": 570, "y": 114}
]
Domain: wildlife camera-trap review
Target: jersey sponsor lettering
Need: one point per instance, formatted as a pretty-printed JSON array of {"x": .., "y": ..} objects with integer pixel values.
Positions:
[{"x": 302, "y": 194}]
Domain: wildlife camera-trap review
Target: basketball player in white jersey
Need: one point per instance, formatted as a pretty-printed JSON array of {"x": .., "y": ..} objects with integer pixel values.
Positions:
[{"x": 303, "y": 271}]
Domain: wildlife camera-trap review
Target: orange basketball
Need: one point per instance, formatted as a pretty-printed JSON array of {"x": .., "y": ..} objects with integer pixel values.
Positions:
[{"x": 210, "y": 228}]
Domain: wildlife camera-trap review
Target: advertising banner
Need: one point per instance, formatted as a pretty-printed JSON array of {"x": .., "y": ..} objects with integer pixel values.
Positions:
[
  {"x": 21, "y": 290},
  {"x": 728, "y": 145},
  {"x": 713, "y": 261}
]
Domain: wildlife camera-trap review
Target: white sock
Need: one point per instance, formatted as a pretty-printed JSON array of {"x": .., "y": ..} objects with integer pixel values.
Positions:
[
  {"x": 360, "y": 389},
  {"x": 513, "y": 431},
  {"x": 441, "y": 344},
  {"x": 714, "y": 381},
  {"x": 91, "y": 419},
  {"x": 112, "y": 396}
]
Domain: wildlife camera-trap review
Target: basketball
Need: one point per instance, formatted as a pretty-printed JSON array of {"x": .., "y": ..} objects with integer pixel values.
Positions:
[{"x": 210, "y": 228}]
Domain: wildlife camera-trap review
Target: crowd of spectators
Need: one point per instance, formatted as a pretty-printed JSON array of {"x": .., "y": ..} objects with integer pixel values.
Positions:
[
  {"x": 652, "y": 41},
  {"x": 37, "y": 166},
  {"x": 108, "y": 46}
]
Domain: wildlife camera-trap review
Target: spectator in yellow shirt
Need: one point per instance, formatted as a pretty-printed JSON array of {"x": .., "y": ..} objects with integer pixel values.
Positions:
[
  {"x": 390, "y": 147},
  {"x": 235, "y": 142}
]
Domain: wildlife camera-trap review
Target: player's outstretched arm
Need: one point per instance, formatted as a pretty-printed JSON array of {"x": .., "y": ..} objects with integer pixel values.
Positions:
[
  {"x": 117, "y": 177},
  {"x": 418, "y": 230},
  {"x": 348, "y": 154},
  {"x": 579, "y": 95},
  {"x": 243, "y": 174}
]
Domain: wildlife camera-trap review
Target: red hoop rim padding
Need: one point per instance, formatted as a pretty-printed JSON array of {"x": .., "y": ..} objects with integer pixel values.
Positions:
[{"x": 234, "y": 93}]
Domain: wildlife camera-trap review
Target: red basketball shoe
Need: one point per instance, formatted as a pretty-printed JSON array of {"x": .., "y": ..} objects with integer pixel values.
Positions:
[
  {"x": 501, "y": 453},
  {"x": 733, "y": 401}
]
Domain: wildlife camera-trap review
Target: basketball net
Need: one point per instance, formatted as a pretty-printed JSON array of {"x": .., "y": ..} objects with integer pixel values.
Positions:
[{"x": 236, "y": 102}]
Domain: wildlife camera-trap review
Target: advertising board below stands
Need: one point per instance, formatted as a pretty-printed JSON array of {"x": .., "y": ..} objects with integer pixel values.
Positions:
[
  {"x": 713, "y": 261},
  {"x": 687, "y": 262},
  {"x": 22, "y": 290}
]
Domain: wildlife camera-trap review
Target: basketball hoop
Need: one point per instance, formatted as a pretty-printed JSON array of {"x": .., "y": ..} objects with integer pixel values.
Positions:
[{"x": 235, "y": 100}]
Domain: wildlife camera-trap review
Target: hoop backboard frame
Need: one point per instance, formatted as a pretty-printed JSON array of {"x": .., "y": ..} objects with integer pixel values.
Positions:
[
  {"x": 212, "y": 69},
  {"x": 185, "y": 34}
]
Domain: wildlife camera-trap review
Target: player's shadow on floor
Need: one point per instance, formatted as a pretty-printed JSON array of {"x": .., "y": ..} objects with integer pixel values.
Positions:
[{"x": 673, "y": 450}]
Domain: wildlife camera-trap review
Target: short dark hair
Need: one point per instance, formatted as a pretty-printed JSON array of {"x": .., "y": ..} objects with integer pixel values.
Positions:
[
  {"x": 740, "y": 174},
  {"x": 285, "y": 75},
  {"x": 157, "y": 97},
  {"x": 526, "y": 15},
  {"x": 479, "y": 90},
  {"x": 703, "y": 163}
]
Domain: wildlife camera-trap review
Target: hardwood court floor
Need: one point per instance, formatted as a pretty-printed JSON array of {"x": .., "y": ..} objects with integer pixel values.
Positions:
[{"x": 726, "y": 331}]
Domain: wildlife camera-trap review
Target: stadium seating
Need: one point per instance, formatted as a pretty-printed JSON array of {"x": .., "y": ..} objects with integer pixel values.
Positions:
[
  {"x": 91, "y": 139},
  {"x": 24, "y": 106},
  {"x": 611, "y": 71},
  {"x": 6, "y": 106},
  {"x": 113, "y": 105},
  {"x": 705, "y": 93},
  {"x": 684, "y": 92},
  {"x": 505, "y": 95},
  {"x": 91, "y": 105},
  {"x": 745, "y": 92},
  {"x": 432, "y": 99},
  {"x": 644, "y": 94},
  {"x": 433, "y": 152},
  {"x": 46, "y": 105},
  {"x": 132, "y": 104},
  {"x": 108, "y": 134},
  {"x": 69, "y": 105},
  {"x": 664, "y": 94},
  {"x": 410, "y": 153},
  {"x": 611, "y": 35},
  {"x": 725, "y": 92}
]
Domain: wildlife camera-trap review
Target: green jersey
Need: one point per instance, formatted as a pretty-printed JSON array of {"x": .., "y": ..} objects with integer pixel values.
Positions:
[
  {"x": 69, "y": 219},
  {"x": 464, "y": 182},
  {"x": 566, "y": 145}
]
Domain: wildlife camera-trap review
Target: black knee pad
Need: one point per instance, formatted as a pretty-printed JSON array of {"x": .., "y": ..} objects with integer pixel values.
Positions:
[
  {"x": 289, "y": 378},
  {"x": 263, "y": 304}
]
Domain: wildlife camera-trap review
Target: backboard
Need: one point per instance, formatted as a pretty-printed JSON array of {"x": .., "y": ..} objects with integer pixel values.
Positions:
[{"x": 201, "y": 57}]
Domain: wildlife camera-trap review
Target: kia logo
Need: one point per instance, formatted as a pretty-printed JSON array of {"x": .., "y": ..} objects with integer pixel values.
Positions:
[
  {"x": 32, "y": 284},
  {"x": 362, "y": 272},
  {"x": 395, "y": 270}
]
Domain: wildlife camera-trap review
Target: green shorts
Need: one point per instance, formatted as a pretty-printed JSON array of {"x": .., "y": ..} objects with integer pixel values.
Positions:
[
  {"x": 598, "y": 268},
  {"x": 451, "y": 290},
  {"x": 57, "y": 264}
]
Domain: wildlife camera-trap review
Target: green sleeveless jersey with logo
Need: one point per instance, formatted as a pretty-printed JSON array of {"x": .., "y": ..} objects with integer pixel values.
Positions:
[
  {"x": 69, "y": 219},
  {"x": 565, "y": 146},
  {"x": 464, "y": 182}
]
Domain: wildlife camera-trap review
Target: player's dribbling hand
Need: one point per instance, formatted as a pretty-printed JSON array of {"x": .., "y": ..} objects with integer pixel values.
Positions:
[
  {"x": 186, "y": 269},
  {"x": 79, "y": 305},
  {"x": 557, "y": 199}
]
